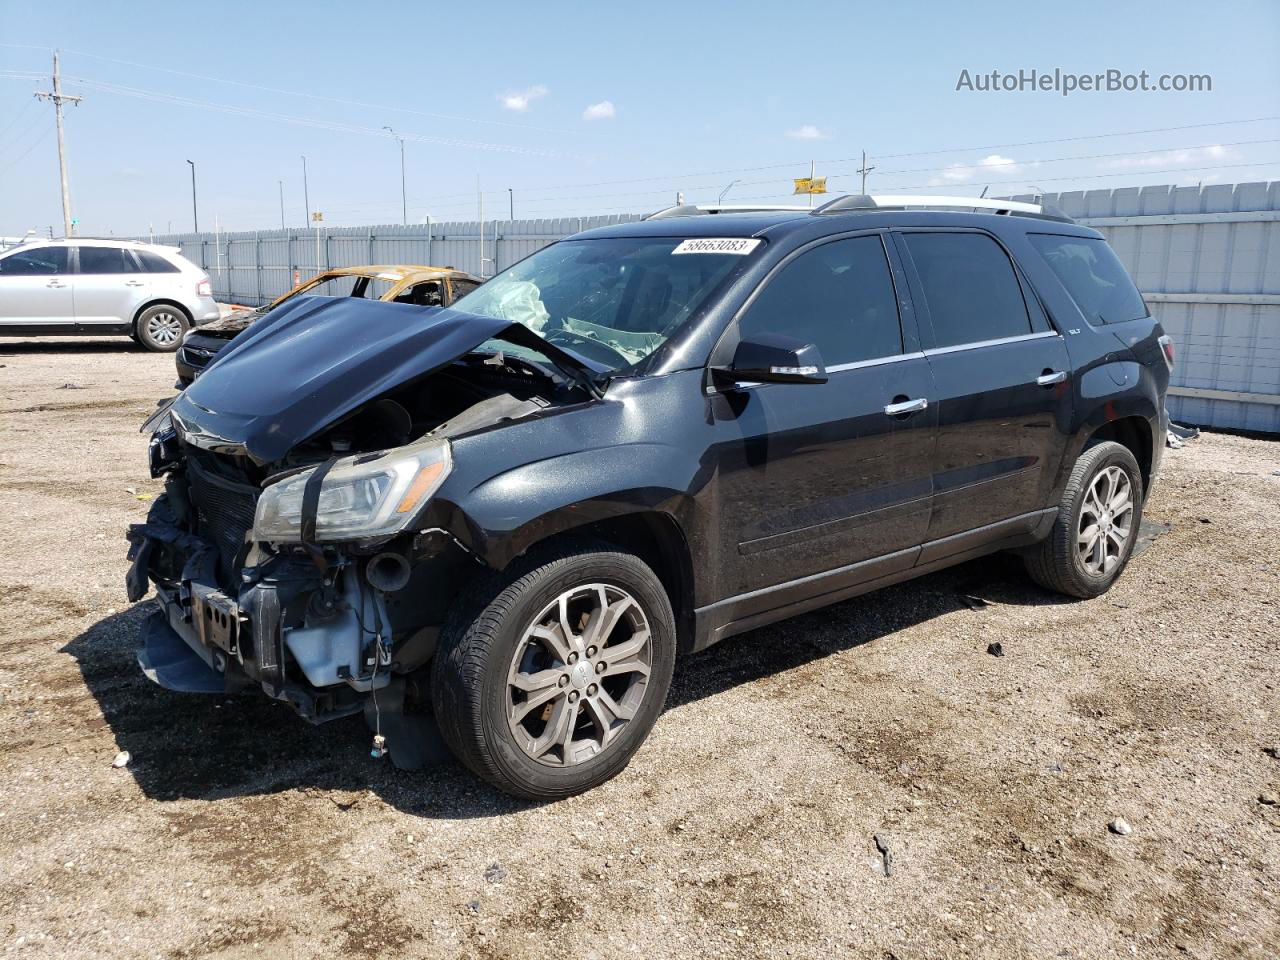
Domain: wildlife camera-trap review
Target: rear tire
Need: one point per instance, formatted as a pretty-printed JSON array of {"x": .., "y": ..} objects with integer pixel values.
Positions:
[
  {"x": 1096, "y": 527},
  {"x": 160, "y": 328},
  {"x": 549, "y": 678}
]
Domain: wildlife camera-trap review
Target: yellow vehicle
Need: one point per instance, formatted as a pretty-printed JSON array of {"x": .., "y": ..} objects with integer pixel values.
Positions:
[{"x": 393, "y": 283}]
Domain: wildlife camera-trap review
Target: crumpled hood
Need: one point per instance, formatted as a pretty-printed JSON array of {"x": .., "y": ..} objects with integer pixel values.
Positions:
[
  {"x": 233, "y": 323},
  {"x": 315, "y": 359}
]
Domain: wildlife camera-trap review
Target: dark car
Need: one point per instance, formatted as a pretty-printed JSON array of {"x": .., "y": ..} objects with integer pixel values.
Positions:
[
  {"x": 393, "y": 283},
  {"x": 508, "y": 518}
]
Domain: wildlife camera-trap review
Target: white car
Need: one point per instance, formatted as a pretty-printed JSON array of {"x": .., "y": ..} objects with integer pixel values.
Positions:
[{"x": 83, "y": 286}]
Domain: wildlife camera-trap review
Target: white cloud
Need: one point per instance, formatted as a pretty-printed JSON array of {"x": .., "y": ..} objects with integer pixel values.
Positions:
[
  {"x": 604, "y": 110},
  {"x": 519, "y": 100},
  {"x": 965, "y": 172},
  {"x": 1175, "y": 158},
  {"x": 807, "y": 132}
]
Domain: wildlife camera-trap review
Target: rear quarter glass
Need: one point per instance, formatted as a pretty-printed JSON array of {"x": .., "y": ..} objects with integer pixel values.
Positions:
[{"x": 1093, "y": 276}]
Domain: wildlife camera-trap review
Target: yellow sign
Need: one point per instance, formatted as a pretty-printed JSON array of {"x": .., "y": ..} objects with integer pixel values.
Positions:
[
  {"x": 811, "y": 185},
  {"x": 317, "y": 216}
]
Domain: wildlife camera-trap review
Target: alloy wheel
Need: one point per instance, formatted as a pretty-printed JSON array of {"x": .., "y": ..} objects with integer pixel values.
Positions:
[
  {"x": 579, "y": 674},
  {"x": 164, "y": 328},
  {"x": 1106, "y": 521}
]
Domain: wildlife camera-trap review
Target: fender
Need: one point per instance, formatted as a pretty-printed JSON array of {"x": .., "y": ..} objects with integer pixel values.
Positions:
[
  {"x": 1109, "y": 392},
  {"x": 504, "y": 516}
]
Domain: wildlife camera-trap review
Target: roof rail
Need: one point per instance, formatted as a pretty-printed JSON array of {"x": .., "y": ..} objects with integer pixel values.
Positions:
[
  {"x": 703, "y": 209},
  {"x": 86, "y": 236},
  {"x": 856, "y": 203}
]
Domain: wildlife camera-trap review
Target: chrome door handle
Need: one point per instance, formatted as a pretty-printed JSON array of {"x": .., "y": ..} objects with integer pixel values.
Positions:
[
  {"x": 1052, "y": 377},
  {"x": 134, "y": 283},
  {"x": 906, "y": 406},
  {"x": 56, "y": 284}
]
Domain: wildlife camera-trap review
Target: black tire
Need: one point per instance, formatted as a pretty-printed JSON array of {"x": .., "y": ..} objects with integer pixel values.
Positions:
[
  {"x": 1057, "y": 563},
  {"x": 161, "y": 327},
  {"x": 469, "y": 678}
]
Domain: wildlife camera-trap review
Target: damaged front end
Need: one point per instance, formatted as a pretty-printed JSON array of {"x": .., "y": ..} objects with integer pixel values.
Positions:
[{"x": 298, "y": 546}]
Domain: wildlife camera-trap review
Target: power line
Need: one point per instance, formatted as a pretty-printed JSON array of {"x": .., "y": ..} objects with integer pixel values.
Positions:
[
  {"x": 433, "y": 199},
  {"x": 830, "y": 162},
  {"x": 330, "y": 125},
  {"x": 301, "y": 93},
  {"x": 44, "y": 135},
  {"x": 26, "y": 107},
  {"x": 1094, "y": 136}
]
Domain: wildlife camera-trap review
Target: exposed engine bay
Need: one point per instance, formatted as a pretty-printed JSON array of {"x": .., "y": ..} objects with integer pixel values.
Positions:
[{"x": 306, "y": 573}]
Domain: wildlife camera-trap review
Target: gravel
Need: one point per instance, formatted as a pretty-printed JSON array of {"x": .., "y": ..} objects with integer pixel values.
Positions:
[{"x": 740, "y": 829}]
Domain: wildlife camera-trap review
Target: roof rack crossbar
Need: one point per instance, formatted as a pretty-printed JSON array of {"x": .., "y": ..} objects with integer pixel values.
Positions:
[{"x": 863, "y": 202}]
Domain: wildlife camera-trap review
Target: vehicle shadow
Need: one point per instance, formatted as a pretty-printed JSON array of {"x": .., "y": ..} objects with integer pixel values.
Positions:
[
  {"x": 121, "y": 344},
  {"x": 212, "y": 747}
]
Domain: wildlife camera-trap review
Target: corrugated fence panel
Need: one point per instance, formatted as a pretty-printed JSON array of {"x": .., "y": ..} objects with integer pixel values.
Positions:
[{"x": 1208, "y": 259}]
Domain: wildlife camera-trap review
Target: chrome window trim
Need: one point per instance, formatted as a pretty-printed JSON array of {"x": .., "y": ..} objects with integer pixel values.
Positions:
[
  {"x": 858, "y": 364},
  {"x": 956, "y": 348}
]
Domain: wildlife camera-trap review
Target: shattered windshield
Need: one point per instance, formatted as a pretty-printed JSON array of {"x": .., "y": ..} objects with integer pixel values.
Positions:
[{"x": 610, "y": 301}]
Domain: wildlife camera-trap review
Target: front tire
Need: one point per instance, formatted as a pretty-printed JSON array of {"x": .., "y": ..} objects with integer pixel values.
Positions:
[
  {"x": 1096, "y": 527},
  {"x": 548, "y": 681},
  {"x": 160, "y": 328}
]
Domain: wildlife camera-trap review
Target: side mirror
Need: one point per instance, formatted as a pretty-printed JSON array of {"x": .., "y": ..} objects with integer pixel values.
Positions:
[{"x": 774, "y": 358}]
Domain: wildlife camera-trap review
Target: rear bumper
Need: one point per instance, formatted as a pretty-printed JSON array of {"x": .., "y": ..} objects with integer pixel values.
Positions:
[{"x": 206, "y": 309}]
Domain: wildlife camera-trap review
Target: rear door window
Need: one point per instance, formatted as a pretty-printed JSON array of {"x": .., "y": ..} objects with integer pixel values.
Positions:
[
  {"x": 969, "y": 286},
  {"x": 838, "y": 296},
  {"x": 1093, "y": 275},
  {"x": 41, "y": 262},
  {"x": 105, "y": 260}
]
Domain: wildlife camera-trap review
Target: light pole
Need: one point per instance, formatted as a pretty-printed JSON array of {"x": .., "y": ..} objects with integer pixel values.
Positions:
[
  {"x": 511, "y": 204},
  {"x": 281, "y": 182},
  {"x": 404, "y": 202},
  {"x": 195, "y": 217},
  {"x": 720, "y": 199},
  {"x": 306, "y": 197}
]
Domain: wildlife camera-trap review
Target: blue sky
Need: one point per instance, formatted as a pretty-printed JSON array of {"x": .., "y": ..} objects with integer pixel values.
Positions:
[{"x": 590, "y": 108}]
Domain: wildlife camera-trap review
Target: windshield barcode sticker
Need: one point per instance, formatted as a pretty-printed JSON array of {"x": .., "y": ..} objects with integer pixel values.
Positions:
[{"x": 717, "y": 245}]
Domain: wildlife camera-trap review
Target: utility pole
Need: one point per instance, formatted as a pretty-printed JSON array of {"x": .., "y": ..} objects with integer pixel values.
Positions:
[
  {"x": 511, "y": 205},
  {"x": 812, "y": 171},
  {"x": 58, "y": 99},
  {"x": 195, "y": 217},
  {"x": 404, "y": 202},
  {"x": 306, "y": 197},
  {"x": 864, "y": 170},
  {"x": 281, "y": 182}
]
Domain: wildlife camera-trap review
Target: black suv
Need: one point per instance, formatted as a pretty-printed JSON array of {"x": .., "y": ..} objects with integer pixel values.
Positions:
[{"x": 505, "y": 519}]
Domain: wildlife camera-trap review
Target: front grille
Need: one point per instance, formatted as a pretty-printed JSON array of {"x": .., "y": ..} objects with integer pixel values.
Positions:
[
  {"x": 198, "y": 359},
  {"x": 225, "y": 510}
]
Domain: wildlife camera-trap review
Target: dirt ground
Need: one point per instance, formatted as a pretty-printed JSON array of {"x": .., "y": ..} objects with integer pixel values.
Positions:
[{"x": 745, "y": 827}]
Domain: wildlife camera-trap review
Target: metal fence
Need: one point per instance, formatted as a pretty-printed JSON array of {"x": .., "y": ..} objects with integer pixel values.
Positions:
[
  {"x": 256, "y": 267},
  {"x": 1206, "y": 258}
]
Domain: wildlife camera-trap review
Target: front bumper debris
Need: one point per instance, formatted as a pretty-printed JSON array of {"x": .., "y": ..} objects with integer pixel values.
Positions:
[
  {"x": 167, "y": 659},
  {"x": 293, "y": 628}
]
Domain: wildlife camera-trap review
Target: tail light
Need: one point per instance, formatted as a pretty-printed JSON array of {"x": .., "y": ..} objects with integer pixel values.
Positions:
[
  {"x": 204, "y": 288},
  {"x": 1166, "y": 344}
]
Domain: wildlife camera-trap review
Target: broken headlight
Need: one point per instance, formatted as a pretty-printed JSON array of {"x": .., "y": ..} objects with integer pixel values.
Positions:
[{"x": 367, "y": 495}]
